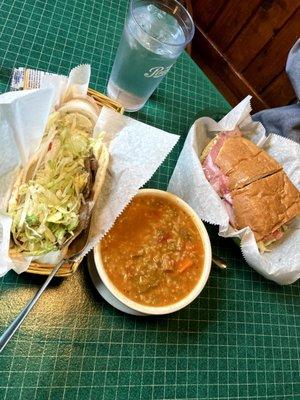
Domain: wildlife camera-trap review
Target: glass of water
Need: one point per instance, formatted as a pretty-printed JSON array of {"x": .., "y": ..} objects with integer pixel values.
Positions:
[{"x": 155, "y": 34}]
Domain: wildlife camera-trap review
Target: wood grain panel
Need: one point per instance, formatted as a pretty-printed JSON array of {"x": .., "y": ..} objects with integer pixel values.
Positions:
[
  {"x": 230, "y": 21},
  {"x": 271, "y": 60},
  {"x": 205, "y": 11},
  {"x": 243, "y": 45},
  {"x": 222, "y": 73},
  {"x": 266, "y": 22},
  {"x": 280, "y": 92}
]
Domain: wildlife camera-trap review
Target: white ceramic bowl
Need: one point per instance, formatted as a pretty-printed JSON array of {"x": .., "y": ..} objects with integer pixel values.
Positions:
[{"x": 150, "y": 310}]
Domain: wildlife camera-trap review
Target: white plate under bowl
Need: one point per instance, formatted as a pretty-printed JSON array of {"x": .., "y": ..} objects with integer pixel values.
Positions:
[{"x": 104, "y": 292}]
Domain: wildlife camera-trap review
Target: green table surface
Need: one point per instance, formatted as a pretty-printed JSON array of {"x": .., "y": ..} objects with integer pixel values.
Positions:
[{"x": 238, "y": 340}]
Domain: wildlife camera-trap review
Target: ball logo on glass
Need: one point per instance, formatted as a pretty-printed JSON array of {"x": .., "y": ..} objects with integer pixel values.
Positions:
[{"x": 157, "y": 72}]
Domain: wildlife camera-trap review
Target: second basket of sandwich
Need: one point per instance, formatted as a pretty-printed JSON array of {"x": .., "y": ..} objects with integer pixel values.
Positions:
[
  {"x": 255, "y": 190},
  {"x": 236, "y": 176}
]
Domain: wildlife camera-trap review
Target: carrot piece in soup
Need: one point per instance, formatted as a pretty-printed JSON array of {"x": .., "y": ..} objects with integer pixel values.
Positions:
[{"x": 184, "y": 263}]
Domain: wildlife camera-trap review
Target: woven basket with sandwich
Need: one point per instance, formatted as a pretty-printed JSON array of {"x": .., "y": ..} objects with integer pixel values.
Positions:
[{"x": 52, "y": 199}]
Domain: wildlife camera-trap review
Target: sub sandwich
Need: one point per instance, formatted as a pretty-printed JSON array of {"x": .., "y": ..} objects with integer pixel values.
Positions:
[
  {"x": 52, "y": 198},
  {"x": 255, "y": 190}
]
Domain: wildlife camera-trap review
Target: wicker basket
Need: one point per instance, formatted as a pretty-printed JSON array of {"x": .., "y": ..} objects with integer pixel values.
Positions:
[
  {"x": 103, "y": 100},
  {"x": 69, "y": 268}
]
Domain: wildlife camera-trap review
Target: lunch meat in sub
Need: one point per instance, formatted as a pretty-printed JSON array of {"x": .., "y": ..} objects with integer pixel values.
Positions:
[{"x": 255, "y": 190}]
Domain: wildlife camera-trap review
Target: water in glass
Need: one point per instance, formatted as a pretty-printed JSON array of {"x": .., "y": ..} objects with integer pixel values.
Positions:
[{"x": 146, "y": 52}]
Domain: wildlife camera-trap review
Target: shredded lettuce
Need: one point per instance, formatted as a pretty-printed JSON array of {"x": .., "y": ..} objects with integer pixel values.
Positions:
[
  {"x": 263, "y": 247},
  {"x": 45, "y": 210}
]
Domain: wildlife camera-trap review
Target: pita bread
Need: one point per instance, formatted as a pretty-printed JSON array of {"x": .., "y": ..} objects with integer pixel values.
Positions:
[{"x": 87, "y": 110}]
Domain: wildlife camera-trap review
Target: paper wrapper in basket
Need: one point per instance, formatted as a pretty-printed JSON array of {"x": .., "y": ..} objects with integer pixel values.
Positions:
[
  {"x": 135, "y": 149},
  {"x": 188, "y": 181}
]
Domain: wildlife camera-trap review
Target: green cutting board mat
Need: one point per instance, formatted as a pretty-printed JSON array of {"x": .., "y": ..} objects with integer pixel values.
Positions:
[{"x": 238, "y": 340}]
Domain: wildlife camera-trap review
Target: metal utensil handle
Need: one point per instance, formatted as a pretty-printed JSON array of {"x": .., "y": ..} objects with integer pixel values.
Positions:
[
  {"x": 9, "y": 332},
  {"x": 219, "y": 262}
]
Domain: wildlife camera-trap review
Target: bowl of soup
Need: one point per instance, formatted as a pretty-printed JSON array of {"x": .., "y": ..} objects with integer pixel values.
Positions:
[{"x": 156, "y": 259}]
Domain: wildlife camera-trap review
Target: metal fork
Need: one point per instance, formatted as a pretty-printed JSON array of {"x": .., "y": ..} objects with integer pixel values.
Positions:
[{"x": 13, "y": 327}]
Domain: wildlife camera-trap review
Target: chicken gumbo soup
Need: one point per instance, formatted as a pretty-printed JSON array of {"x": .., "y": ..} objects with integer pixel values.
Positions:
[{"x": 154, "y": 253}]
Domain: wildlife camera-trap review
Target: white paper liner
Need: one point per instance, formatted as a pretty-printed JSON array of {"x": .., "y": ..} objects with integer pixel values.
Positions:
[
  {"x": 136, "y": 151},
  {"x": 188, "y": 181}
]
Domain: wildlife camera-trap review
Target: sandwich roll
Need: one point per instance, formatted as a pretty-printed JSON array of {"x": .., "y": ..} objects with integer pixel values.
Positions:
[
  {"x": 255, "y": 190},
  {"x": 266, "y": 206}
]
